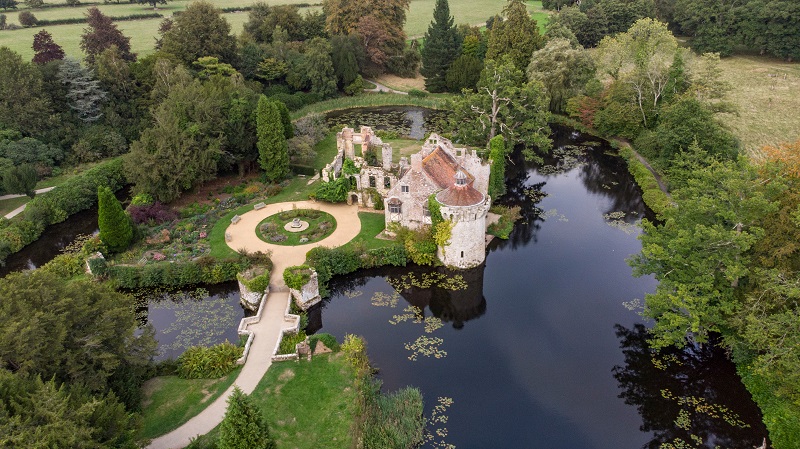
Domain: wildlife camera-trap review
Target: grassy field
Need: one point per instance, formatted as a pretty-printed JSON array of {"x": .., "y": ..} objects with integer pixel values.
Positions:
[
  {"x": 767, "y": 94},
  {"x": 170, "y": 401},
  {"x": 308, "y": 405},
  {"x": 372, "y": 224},
  {"x": 7, "y": 206},
  {"x": 143, "y": 32}
]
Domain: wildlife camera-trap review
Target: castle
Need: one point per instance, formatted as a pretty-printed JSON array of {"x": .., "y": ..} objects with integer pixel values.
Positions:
[{"x": 458, "y": 178}]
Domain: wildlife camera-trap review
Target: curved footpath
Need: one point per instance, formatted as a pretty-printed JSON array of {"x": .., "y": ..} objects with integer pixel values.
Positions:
[{"x": 268, "y": 330}]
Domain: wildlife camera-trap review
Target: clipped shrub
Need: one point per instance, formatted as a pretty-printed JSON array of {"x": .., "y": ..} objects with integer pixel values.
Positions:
[
  {"x": 297, "y": 276},
  {"x": 199, "y": 362},
  {"x": 115, "y": 226},
  {"x": 289, "y": 342},
  {"x": 326, "y": 339},
  {"x": 27, "y": 19}
]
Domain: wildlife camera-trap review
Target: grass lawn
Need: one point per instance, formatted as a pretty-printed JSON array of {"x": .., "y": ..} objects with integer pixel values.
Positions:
[
  {"x": 7, "y": 206},
  {"x": 403, "y": 147},
  {"x": 319, "y": 227},
  {"x": 170, "y": 401},
  {"x": 308, "y": 405},
  {"x": 767, "y": 94},
  {"x": 372, "y": 223}
]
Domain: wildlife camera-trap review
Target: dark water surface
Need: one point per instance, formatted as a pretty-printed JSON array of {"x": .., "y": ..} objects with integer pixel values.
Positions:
[
  {"x": 540, "y": 351},
  {"x": 407, "y": 121}
]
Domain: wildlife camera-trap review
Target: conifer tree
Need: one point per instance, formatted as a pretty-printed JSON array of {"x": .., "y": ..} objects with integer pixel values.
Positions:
[
  {"x": 83, "y": 90},
  {"x": 442, "y": 47},
  {"x": 517, "y": 36},
  {"x": 244, "y": 426},
  {"x": 115, "y": 226},
  {"x": 286, "y": 119},
  {"x": 273, "y": 151}
]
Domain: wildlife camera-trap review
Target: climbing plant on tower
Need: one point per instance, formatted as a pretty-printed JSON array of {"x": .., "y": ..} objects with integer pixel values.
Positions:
[
  {"x": 497, "y": 174},
  {"x": 115, "y": 226}
]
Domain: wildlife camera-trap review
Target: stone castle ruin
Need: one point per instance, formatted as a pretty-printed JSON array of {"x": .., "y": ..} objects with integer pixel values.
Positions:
[{"x": 458, "y": 178}]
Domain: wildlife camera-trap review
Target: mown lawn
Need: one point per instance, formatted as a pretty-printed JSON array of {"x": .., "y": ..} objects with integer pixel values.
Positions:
[
  {"x": 372, "y": 224},
  {"x": 767, "y": 95},
  {"x": 308, "y": 405},
  {"x": 7, "y": 206},
  {"x": 472, "y": 12},
  {"x": 170, "y": 401}
]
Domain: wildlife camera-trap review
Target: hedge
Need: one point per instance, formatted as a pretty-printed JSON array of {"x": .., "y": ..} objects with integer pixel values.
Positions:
[
  {"x": 297, "y": 276},
  {"x": 653, "y": 196},
  {"x": 74, "y": 195},
  {"x": 329, "y": 262},
  {"x": 204, "y": 270},
  {"x": 72, "y": 20}
]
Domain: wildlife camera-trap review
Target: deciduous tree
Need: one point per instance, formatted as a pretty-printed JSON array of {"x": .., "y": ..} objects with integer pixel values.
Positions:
[
  {"x": 24, "y": 106},
  {"x": 200, "y": 31},
  {"x": 101, "y": 34},
  {"x": 46, "y": 50},
  {"x": 562, "y": 69},
  {"x": 442, "y": 47},
  {"x": 504, "y": 104},
  {"x": 21, "y": 179}
]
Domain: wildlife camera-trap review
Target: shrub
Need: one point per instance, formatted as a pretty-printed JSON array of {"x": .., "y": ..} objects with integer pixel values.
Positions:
[
  {"x": 329, "y": 262},
  {"x": 289, "y": 342},
  {"x": 256, "y": 279},
  {"x": 199, "y": 362},
  {"x": 244, "y": 426},
  {"x": 27, "y": 19},
  {"x": 417, "y": 93},
  {"x": 204, "y": 270},
  {"x": 115, "y": 226},
  {"x": 332, "y": 192},
  {"x": 152, "y": 214},
  {"x": 326, "y": 339},
  {"x": 296, "y": 277},
  {"x": 98, "y": 266},
  {"x": 508, "y": 216}
]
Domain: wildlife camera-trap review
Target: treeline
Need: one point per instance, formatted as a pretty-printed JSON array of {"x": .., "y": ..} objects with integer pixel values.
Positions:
[{"x": 766, "y": 26}]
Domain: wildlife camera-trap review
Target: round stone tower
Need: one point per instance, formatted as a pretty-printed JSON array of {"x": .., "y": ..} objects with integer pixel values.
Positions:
[{"x": 466, "y": 208}]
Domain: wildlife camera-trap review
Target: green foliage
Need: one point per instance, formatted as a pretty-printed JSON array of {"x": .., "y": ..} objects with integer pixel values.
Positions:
[
  {"x": 21, "y": 179},
  {"x": 199, "y": 362},
  {"x": 102, "y": 34},
  {"x": 178, "y": 274},
  {"x": 504, "y": 104},
  {"x": 116, "y": 230},
  {"x": 464, "y": 73},
  {"x": 244, "y": 426},
  {"x": 24, "y": 105},
  {"x": 329, "y": 262},
  {"x": 289, "y": 342},
  {"x": 297, "y": 276},
  {"x": 286, "y": 119},
  {"x": 256, "y": 280},
  {"x": 653, "y": 196},
  {"x": 350, "y": 168},
  {"x": 517, "y": 36},
  {"x": 420, "y": 245},
  {"x": 394, "y": 420},
  {"x": 74, "y": 195},
  {"x": 327, "y": 339},
  {"x": 31, "y": 151},
  {"x": 781, "y": 415},
  {"x": 497, "y": 173},
  {"x": 563, "y": 69},
  {"x": 199, "y": 31},
  {"x": 333, "y": 191},
  {"x": 49, "y": 414},
  {"x": 508, "y": 216},
  {"x": 442, "y": 47},
  {"x": 91, "y": 329},
  {"x": 417, "y": 93},
  {"x": 272, "y": 148}
]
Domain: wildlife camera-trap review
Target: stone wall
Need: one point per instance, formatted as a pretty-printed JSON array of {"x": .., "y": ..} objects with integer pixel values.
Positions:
[
  {"x": 467, "y": 246},
  {"x": 308, "y": 295}
]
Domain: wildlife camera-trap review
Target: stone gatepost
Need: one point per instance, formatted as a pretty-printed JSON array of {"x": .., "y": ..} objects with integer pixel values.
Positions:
[
  {"x": 308, "y": 295},
  {"x": 386, "y": 156}
]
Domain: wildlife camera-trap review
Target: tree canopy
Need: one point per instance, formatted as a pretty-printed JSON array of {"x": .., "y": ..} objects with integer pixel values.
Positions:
[
  {"x": 199, "y": 31},
  {"x": 101, "y": 34},
  {"x": 442, "y": 47},
  {"x": 517, "y": 36}
]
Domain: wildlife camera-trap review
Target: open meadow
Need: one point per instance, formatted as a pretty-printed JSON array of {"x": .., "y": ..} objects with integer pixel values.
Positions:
[
  {"x": 143, "y": 32},
  {"x": 767, "y": 95}
]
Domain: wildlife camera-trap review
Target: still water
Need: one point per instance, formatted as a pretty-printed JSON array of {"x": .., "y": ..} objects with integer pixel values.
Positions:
[{"x": 539, "y": 349}]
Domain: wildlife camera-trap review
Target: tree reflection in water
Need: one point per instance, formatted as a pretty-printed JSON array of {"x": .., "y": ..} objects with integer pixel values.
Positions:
[{"x": 687, "y": 395}]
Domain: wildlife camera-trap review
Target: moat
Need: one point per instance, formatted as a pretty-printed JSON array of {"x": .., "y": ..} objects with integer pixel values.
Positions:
[{"x": 541, "y": 346}]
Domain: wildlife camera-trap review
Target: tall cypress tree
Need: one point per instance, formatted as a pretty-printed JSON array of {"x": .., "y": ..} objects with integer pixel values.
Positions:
[
  {"x": 442, "y": 47},
  {"x": 273, "y": 151},
  {"x": 115, "y": 226}
]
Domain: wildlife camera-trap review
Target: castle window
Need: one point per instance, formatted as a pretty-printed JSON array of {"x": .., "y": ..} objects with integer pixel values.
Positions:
[
  {"x": 462, "y": 254},
  {"x": 372, "y": 181},
  {"x": 395, "y": 208},
  {"x": 387, "y": 182},
  {"x": 404, "y": 189}
]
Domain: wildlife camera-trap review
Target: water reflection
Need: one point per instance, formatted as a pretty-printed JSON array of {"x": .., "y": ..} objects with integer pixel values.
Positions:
[
  {"x": 655, "y": 384},
  {"x": 412, "y": 122}
]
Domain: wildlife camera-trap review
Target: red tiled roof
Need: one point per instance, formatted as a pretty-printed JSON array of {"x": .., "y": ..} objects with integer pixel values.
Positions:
[
  {"x": 464, "y": 195},
  {"x": 441, "y": 168}
]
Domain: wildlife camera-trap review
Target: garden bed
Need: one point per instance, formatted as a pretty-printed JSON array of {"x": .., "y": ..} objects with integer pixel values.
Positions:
[{"x": 273, "y": 228}]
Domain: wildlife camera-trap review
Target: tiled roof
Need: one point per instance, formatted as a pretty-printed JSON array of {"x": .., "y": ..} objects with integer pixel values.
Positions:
[
  {"x": 463, "y": 195},
  {"x": 441, "y": 168}
]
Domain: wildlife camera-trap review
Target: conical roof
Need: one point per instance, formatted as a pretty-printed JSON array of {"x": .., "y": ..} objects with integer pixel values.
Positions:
[{"x": 461, "y": 193}]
